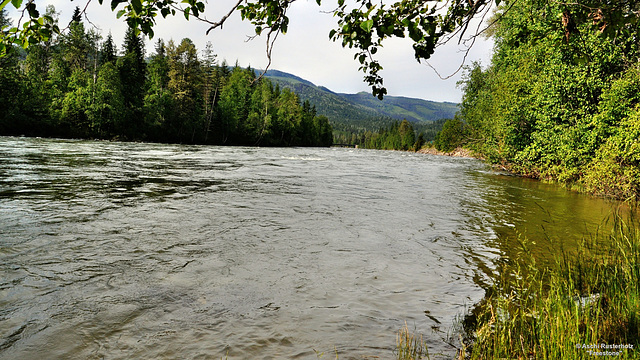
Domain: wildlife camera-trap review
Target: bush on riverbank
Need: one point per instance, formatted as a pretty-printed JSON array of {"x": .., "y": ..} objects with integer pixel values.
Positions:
[
  {"x": 561, "y": 96},
  {"x": 568, "y": 311},
  {"x": 453, "y": 135}
]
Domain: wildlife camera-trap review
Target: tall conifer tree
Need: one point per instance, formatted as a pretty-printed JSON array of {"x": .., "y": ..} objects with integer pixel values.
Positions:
[
  {"x": 132, "y": 69},
  {"x": 108, "y": 51}
]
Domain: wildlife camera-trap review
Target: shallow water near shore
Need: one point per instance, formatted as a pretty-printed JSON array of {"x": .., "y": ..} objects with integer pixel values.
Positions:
[{"x": 126, "y": 250}]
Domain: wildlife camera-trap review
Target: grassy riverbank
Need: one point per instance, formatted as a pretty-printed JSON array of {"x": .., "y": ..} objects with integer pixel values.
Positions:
[{"x": 586, "y": 305}]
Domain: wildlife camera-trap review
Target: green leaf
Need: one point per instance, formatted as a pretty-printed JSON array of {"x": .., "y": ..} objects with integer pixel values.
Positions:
[
  {"x": 366, "y": 25},
  {"x": 16, "y": 3},
  {"x": 137, "y": 6},
  {"x": 45, "y": 35},
  {"x": 115, "y": 3},
  {"x": 415, "y": 35},
  {"x": 31, "y": 9},
  {"x": 120, "y": 13},
  {"x": 186, "y": 12}
]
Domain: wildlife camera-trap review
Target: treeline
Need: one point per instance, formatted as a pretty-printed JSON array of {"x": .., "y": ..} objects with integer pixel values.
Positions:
[
  {"x": 561, "y": 97},
  {"x": 397, "y": 136},
  {"x": 429, "y": 129},
  {"x": 393, "y": 135},
  {"x": 350, "y": 132},
  {"x": 76, "y": 85}
]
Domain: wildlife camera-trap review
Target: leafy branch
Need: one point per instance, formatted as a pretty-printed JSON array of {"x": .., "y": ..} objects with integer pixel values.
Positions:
[{"x": 362, "y": 24}]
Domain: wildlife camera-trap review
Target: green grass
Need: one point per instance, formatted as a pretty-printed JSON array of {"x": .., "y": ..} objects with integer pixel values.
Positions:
[
  {"x": 410, "y": 346},
  {"x": 590, "y": 297}
]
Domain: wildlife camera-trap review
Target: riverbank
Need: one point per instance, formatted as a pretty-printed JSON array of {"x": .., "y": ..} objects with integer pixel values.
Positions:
[
  {"x": 583, "y": 304},
  {"x": 457, "y": 152},
  {"x": 586, "y": 305}
]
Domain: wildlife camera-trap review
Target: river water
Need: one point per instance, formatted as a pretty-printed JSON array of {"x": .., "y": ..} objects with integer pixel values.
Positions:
[{"x": 123, "y": 250}]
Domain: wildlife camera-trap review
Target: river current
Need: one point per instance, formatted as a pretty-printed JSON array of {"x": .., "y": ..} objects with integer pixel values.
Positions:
[{"x": 128, "y": 251}]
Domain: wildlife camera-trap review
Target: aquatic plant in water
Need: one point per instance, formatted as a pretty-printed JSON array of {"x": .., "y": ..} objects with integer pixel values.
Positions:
[{"x": 586, "y": 304}]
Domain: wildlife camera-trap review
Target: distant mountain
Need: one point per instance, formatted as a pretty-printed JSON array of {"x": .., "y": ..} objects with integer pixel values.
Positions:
[
  {"x": 328, "y": 103},
  {"x": 400, "y": 107},
  {"x": 363, "y": 110}
]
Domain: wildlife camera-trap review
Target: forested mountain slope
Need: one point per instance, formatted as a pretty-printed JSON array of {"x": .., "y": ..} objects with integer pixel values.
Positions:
[{"x": 359, "y": 109}]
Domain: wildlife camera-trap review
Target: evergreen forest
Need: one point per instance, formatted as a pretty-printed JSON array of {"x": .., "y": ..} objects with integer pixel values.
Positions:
[
  {"x": 78, "y": 85},
  {"x": 560, "y": 99},
  {"x": 397, "y": 136}
]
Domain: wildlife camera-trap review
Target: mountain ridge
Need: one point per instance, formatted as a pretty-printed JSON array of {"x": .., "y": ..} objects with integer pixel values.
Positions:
[{"x": 362, "y": 111}]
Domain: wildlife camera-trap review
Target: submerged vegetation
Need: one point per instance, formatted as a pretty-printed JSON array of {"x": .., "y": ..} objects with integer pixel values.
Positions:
[
  {"x": 410, "y": 346},
  {"x": 559, "y": 101},
  {"x": 587, "y": 304}
]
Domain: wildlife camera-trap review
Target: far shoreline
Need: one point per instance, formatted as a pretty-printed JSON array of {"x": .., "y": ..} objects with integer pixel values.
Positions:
[{"x": 457, "y": 152}]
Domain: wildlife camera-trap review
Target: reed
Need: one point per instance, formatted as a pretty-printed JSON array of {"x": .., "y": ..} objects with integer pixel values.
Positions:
[
  {"x": 410, "y": 346},
  {"x": 586, "y": 304}
]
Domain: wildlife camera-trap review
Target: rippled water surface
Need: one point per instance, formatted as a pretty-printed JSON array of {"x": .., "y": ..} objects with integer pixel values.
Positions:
[{"x": 123, "y": 250}]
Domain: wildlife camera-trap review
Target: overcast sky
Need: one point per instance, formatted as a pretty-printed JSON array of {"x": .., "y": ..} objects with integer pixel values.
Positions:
[{"x": 305, "y": 50}]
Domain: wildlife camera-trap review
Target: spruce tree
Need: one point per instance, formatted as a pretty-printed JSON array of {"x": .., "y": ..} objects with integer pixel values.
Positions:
[
  {"x": 158, "y": 104},
  {"x": 76, "y": 46},
  {"x": 132, "y": 68},
  {"x": 158, "y": 69},
  {"x": 108, "y": 51},
  {"x": 77, "y": 16}
]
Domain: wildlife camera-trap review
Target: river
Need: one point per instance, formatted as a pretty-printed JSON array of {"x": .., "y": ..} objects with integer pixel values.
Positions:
[{"x": 126, "y": 250}]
